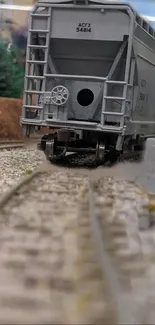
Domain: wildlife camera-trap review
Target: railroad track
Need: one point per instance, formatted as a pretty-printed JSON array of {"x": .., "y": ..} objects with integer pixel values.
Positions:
[
  {"x": 82, "y": 160},
  {"x": 104, "y": 241},
  {"x": 11, "y": 144},
  {"x": 62, "y": 262}
]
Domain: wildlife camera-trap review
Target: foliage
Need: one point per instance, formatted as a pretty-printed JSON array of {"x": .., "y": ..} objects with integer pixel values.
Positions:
[
  {"x": 28, "y": 172},
  {"x": 11, "y": 72},
  {"x": 17, "y": 72},
  {"x": 5, "y": 69}
]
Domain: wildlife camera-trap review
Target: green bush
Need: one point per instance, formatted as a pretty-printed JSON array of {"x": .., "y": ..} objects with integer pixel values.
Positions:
[
  {"x": 11, "y": 72},
  {"x": 5, "y": 70},
  {"x": 17, "y": 72}
]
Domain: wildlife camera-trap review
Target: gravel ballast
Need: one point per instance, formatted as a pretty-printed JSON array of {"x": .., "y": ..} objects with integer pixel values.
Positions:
[
  {"x": 41, "y": 234},
  {"x": 15, "y": 163}
]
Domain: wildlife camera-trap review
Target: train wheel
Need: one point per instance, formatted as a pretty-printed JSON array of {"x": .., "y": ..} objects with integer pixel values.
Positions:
[
  {"x": 49, "y": 150},
  {"x": 100, "y": 153},
  {"x": 43, "y": 142}
]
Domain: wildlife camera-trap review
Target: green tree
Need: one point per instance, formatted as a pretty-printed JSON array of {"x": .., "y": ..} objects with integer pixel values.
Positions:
[
  {"x": 11, "y": 71},
  {"x": 17, "y": 71},
  {"x": 5, "y": 68}
]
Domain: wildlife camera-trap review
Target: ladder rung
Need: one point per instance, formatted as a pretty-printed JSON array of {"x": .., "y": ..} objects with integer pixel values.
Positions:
[
  {"x": 40, "y": 15},
  {"x": 32, "y": 106},
  {"x": 39, "y": 62},
  {"x": 113, "y": 113},
  {"x": 50, "y": 113},
  {"x": 116, "y": 82},
  {"x": 112, "y": 128},
  {"x": 34, "y": 92},
  {"x": 39, "y": 30},
  {"x": 114, "y": 98},
  {"x": 38, "y": 46},
  {"x": 34, "y": 77}
]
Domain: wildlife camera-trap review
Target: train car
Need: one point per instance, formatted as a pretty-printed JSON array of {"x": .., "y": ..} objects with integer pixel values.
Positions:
[{"x": 90, "y": 74}]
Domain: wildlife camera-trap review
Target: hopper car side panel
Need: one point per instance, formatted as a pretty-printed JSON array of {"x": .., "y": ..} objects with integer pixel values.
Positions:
[
  {"x": 90, "y": 68},
  {"x": 144, "y": 99}
]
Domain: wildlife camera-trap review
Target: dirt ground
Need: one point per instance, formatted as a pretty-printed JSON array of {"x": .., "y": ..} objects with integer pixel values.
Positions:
[{"x": 10, "y": 112}]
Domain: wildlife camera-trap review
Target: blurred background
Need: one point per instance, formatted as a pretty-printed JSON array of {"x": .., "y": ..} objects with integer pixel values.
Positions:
[
  {"x": 13, "y": 40},
  {"x": 14, "y": 22}
]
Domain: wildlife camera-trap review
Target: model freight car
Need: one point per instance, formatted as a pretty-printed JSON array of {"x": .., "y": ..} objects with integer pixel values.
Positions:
[{"x": 90, "y": 74}]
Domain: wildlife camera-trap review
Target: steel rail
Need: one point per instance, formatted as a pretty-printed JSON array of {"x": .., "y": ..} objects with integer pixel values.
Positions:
[
  {"x": 9, "y": 194},
  {"x": 42, "y": 169},
  {"x": 10, "y": 141},
  {"x": 123, "y": 301},
  {"x": 11, "y": 144}
]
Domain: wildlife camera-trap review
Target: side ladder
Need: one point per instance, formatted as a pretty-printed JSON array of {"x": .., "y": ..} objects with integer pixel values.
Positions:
[
  {"x": 120, "y": 129},
  {"x": 34, "y": 74}
]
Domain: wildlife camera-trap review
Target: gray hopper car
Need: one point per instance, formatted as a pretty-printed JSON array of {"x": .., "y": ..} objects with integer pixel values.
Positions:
[{"x": 90, "y": 74}]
